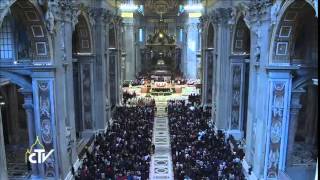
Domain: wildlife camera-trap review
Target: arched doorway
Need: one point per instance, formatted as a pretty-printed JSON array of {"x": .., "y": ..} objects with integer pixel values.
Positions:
[
  {"x": 208, "y": 66},
  {"x": 24, "y": 41},
  {"x": 82, "y": 79},
  {"x": 15, "y": 130},
  {"x": 300, "y": 24},
  {"x": 240, "y": 68},
  {"x": 113, "y": 54},
  {"x": 295, "y": 44}
]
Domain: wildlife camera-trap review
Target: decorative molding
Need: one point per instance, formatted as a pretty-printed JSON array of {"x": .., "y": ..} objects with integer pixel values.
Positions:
[
  {"x": 45, "y": 122},
  {"x": 277, "y": 129},
  {"x": 219, "y": 16}
]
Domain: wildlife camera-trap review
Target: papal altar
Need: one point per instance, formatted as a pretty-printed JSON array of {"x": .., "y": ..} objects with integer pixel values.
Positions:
[{"x": 163, "y": 89}]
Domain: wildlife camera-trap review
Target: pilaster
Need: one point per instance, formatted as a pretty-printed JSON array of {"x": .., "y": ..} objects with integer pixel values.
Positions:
[
  {"x": 220, "y": 17},
  {"x": 101, "y": 68},
  {"x": 277, "y": 123},
  {"x": 129, "y": 46},
  {"x": 62, "y": 26},
  {"x": 45, "y": 123}
]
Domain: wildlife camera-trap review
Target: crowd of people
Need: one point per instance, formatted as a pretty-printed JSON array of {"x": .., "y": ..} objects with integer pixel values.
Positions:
[
  {"x": 194, "y": 98},
  {"x": 127, "y": 95},
  {"x": 124, "y": 151},
  {"x": 141, "y": 101},
  {"x": 198, "y": 152}
]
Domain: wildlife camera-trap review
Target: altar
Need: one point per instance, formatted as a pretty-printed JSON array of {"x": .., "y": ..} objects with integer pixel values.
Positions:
[{"x": 161, "y": 89}]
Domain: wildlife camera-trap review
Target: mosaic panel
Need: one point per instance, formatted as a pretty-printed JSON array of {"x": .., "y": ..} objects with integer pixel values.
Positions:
[
  {"x": 86, "y": 94},
  {"x": 37, "y": 31},
  {"x": 290, "y": 16},
  {"x": 41, "y": 48},
  {"x": 46, "y": 124},
  {"x": 285, "y": 31},
  {"x": 282, "y": 48},
  {"x": 31, "y": 16},
  {"x": 276, "y": 123},
  {"x": 236, "y": 95}
]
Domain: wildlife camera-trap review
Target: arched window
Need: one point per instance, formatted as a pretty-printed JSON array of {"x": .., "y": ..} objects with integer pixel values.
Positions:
[
  {"x": 81, "y": 42},
  {"x": 112, "y": 37},
  {"x": 210, "y": 40},
  {"x": 6, "y": 40},
  {"x": 241, "y": 43}
]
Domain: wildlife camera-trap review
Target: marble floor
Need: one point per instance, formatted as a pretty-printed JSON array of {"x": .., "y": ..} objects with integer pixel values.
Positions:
[{"x": 161, "y": 161}]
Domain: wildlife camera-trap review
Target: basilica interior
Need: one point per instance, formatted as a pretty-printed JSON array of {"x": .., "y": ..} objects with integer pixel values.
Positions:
[{"x": 159, "y": 89}]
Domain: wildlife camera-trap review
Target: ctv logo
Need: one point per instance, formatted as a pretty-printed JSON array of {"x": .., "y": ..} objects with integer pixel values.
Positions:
[{"x": 36, "y": 155}]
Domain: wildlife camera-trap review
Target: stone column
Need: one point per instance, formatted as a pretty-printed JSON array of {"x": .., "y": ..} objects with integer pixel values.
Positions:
[
  {"x": 3, "y": 159},
  {"x": 130, "y": 63},
  {"x": 204, "y": 78},
  {"x": 257, "y": 18},
  {"x": 192, "y": 40},
  {"x": 28, "y": 106},
  {"x": 60, "y": 81},
  {"x": 221, "y": 16},
  {"x": 14, "y": 115},
  {"x": 101, "y": 67}
]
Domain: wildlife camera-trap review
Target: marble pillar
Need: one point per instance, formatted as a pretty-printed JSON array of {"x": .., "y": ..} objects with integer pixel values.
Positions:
[
  {"x": 3, "y": 159},
  {"x": 277, "y": 123},
  {"x": 64, "y": 93},
  {"x": 101, "y": 82},
  {"x": 192, "y": 45},
  {"x": 222, "y": 69},
  {"x": 28, "y": 106},
  {"x": 14, "y": 115},
  {"x": 44, "y": 111},
  {"x": 130, "y": 61}
]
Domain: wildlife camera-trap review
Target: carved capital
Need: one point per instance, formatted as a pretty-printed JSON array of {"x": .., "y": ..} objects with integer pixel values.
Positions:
[
  {"x": 220, "y": 15},
  {"x": 99, "y": 14},
  {"x": 257, "y": 12}
]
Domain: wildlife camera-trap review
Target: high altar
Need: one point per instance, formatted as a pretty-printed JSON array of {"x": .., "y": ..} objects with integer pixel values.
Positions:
[{"x": 161, "y": 56}]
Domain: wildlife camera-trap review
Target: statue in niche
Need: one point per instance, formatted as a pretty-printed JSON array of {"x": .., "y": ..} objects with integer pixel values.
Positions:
[
  {"x": 49, "y": 17},
  {"x": 275, "y": 11},
  {"x": 233, "y": 15}
]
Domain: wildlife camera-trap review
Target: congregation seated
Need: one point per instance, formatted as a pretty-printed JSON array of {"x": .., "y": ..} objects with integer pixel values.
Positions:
[
  {"x": 124, "y": 151},
  {"x": 197, "y": 151},
  {"x": 142, "y": 101},
  {"x": 194, "y": 98},
  {"x": 126, "y": 96}
]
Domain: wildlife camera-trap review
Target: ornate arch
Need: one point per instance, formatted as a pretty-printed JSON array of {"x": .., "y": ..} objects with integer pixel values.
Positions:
[
  {"x": 241, "y": 35},
  {"x": 210, "y": 36},
  {"x": 112, "y": 32},
  {"x": 206, "y": 24},
  {"x": 83, "y": 33},
  {"x": 282, "y": 41},
  {"x": 32, "y": 19},
  {"x": 19, "y": 80}
]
